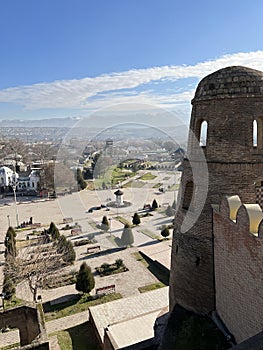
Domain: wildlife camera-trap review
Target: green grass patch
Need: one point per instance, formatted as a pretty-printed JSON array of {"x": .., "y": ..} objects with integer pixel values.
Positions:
[
  {"x": 80, "y": 337},
  {"x": 75, "y": 306},
  {"x": 152, "y": 286},
  {"x": 140, "y": 258},
  {"x": 147, "y": 176},
  {"x": 149, "y": 233},
  {"x": 11, "y": 346},
  {"x": 112, "y": 239},
  {"x": 157, "y": 185},
  {"x": 64, "y": 340},
  {"x": 173, "y": 187},
  {"x": 123, "y": 220},
  {"x": 14, "y": 302},
  {"x": 93, "y": 224},
  {"x": 112, "y": 176},
  {"x": 134, "y": 184}
]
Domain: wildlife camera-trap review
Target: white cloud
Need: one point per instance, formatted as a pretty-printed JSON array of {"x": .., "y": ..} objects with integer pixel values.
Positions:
[{"x": 80, "y": 93}]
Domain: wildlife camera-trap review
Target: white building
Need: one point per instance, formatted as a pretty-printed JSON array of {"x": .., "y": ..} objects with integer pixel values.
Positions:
[
  {"x": 24, "y": 181},
  {"x": 7, "y": 176},
  {"x": 29, "y": 181}
]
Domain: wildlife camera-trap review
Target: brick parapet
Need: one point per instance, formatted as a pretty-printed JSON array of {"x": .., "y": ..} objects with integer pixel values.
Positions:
[{"x": 238, "y": 256}]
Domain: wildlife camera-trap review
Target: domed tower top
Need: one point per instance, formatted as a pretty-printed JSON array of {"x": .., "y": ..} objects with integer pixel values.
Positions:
[
  {"x": 227, "y": 115},
  {"x": 232, "y": 81}
]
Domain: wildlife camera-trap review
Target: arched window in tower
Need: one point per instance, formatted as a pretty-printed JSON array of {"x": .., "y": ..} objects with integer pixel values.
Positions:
[
  {"x": 203, "y": 133},
  {"x": 255, "y": 133},
  {"x": 188, "y": 195},
  {"x": 258, "y": 132}
]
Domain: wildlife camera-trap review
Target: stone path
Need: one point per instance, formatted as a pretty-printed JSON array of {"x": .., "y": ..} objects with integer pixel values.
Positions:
[
  {"x": 67, "y": 322},
  {"x": 53, "y": 343}
]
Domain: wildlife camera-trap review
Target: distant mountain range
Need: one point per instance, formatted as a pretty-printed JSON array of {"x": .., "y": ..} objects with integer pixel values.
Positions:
[
  {"x": 113, "y": 125},
  {"x": 52, "y": 122}
]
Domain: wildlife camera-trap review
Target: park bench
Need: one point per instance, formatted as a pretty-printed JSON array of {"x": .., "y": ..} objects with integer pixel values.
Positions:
[
  {"x": 106, "y": 290},
  {"x": 67, "y": 220},
  {"x": 76, "y": 231},
  {"x": 36, "y": 225},
  {"x": 93, "y": 249}
]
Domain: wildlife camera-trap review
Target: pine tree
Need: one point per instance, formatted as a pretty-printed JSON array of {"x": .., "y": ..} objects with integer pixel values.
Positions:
[
  {"x": 61, "y": 244},
  {"x": 9, "y": 289},
  {"x": 80, "y": 180},
  {"x": 165, "y": 232},
  {"x": 169, "y": 211},
  {"x": 105, "y": 224},
  {"x": 70, "y": 255},
  {"x": 127, "y": 238},
  {"x": 154, "y": 204},
  {"x": 85, "y": 279},
  {"x": 136, "y": 219},
  {"x": 10, "y": 242},
  {"x": 53, "y": 231},
  {"x": 66, "y": 249},
  {"x": 174, "y": 205}
]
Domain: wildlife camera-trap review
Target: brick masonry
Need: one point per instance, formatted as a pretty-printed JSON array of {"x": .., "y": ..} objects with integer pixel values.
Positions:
[
  {"x": 229, "y": 100},
  {"x": 238, "y": 273}
]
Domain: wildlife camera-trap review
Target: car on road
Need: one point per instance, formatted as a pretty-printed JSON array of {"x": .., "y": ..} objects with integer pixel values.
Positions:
[{"x": 90, "y": 210}]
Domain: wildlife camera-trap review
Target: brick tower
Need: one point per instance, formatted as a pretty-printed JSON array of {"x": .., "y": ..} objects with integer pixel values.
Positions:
[{"x": 229, "y": 103}]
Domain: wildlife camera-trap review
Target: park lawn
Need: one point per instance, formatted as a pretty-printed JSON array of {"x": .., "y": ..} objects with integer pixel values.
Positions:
[
  {"x": 53, "y": 312},
  {"x": 119, "y": 175},
  {"x": 150, "y": 287},
  {"x": 157, "y": 185},
  {"x": 149, "y": 233},
  {"x": 147, "y": 176},
  {"x": 123, "y": 220},
  {"x": 173, "y": 187},
  {"x": 80, "y": 337},
  {"x": 134, "y": 184},
  {"x": 112, "y": 177}
]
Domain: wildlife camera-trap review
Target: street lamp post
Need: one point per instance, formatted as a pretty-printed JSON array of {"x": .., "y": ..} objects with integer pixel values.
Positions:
[
  {"x": 8, "y": 218},
  {"x": 2, "y": 296},
  {"x": 110, "y": 225},
  {"x": 14, "y": 190}
]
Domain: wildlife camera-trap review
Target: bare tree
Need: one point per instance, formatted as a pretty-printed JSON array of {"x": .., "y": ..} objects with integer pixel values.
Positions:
[
  {"x": 43, "y": 152},
  {"x": 35, "y": 264},
  {"x": 15, "y": 149}
]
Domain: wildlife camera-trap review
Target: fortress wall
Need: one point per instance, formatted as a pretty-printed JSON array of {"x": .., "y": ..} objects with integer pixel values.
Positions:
[
  {"x": 229, "y": 102},
  {"x": 238, "y": 258}
]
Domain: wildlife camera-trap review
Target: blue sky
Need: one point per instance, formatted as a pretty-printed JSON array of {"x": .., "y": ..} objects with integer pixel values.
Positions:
[{"x": 73, "y": 57}]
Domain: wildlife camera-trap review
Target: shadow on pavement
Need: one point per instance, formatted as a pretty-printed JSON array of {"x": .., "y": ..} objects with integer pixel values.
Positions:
[{"x": 102, "y": 253}]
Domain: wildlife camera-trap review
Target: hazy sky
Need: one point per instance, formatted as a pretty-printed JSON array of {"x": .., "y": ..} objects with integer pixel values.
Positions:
[{"x": 73, "y": 57}]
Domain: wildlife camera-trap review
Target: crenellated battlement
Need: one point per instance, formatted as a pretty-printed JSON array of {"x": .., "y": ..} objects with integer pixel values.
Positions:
[
  {"x": 238, "y": 256},
  {"x": 248, "y": 217}
]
